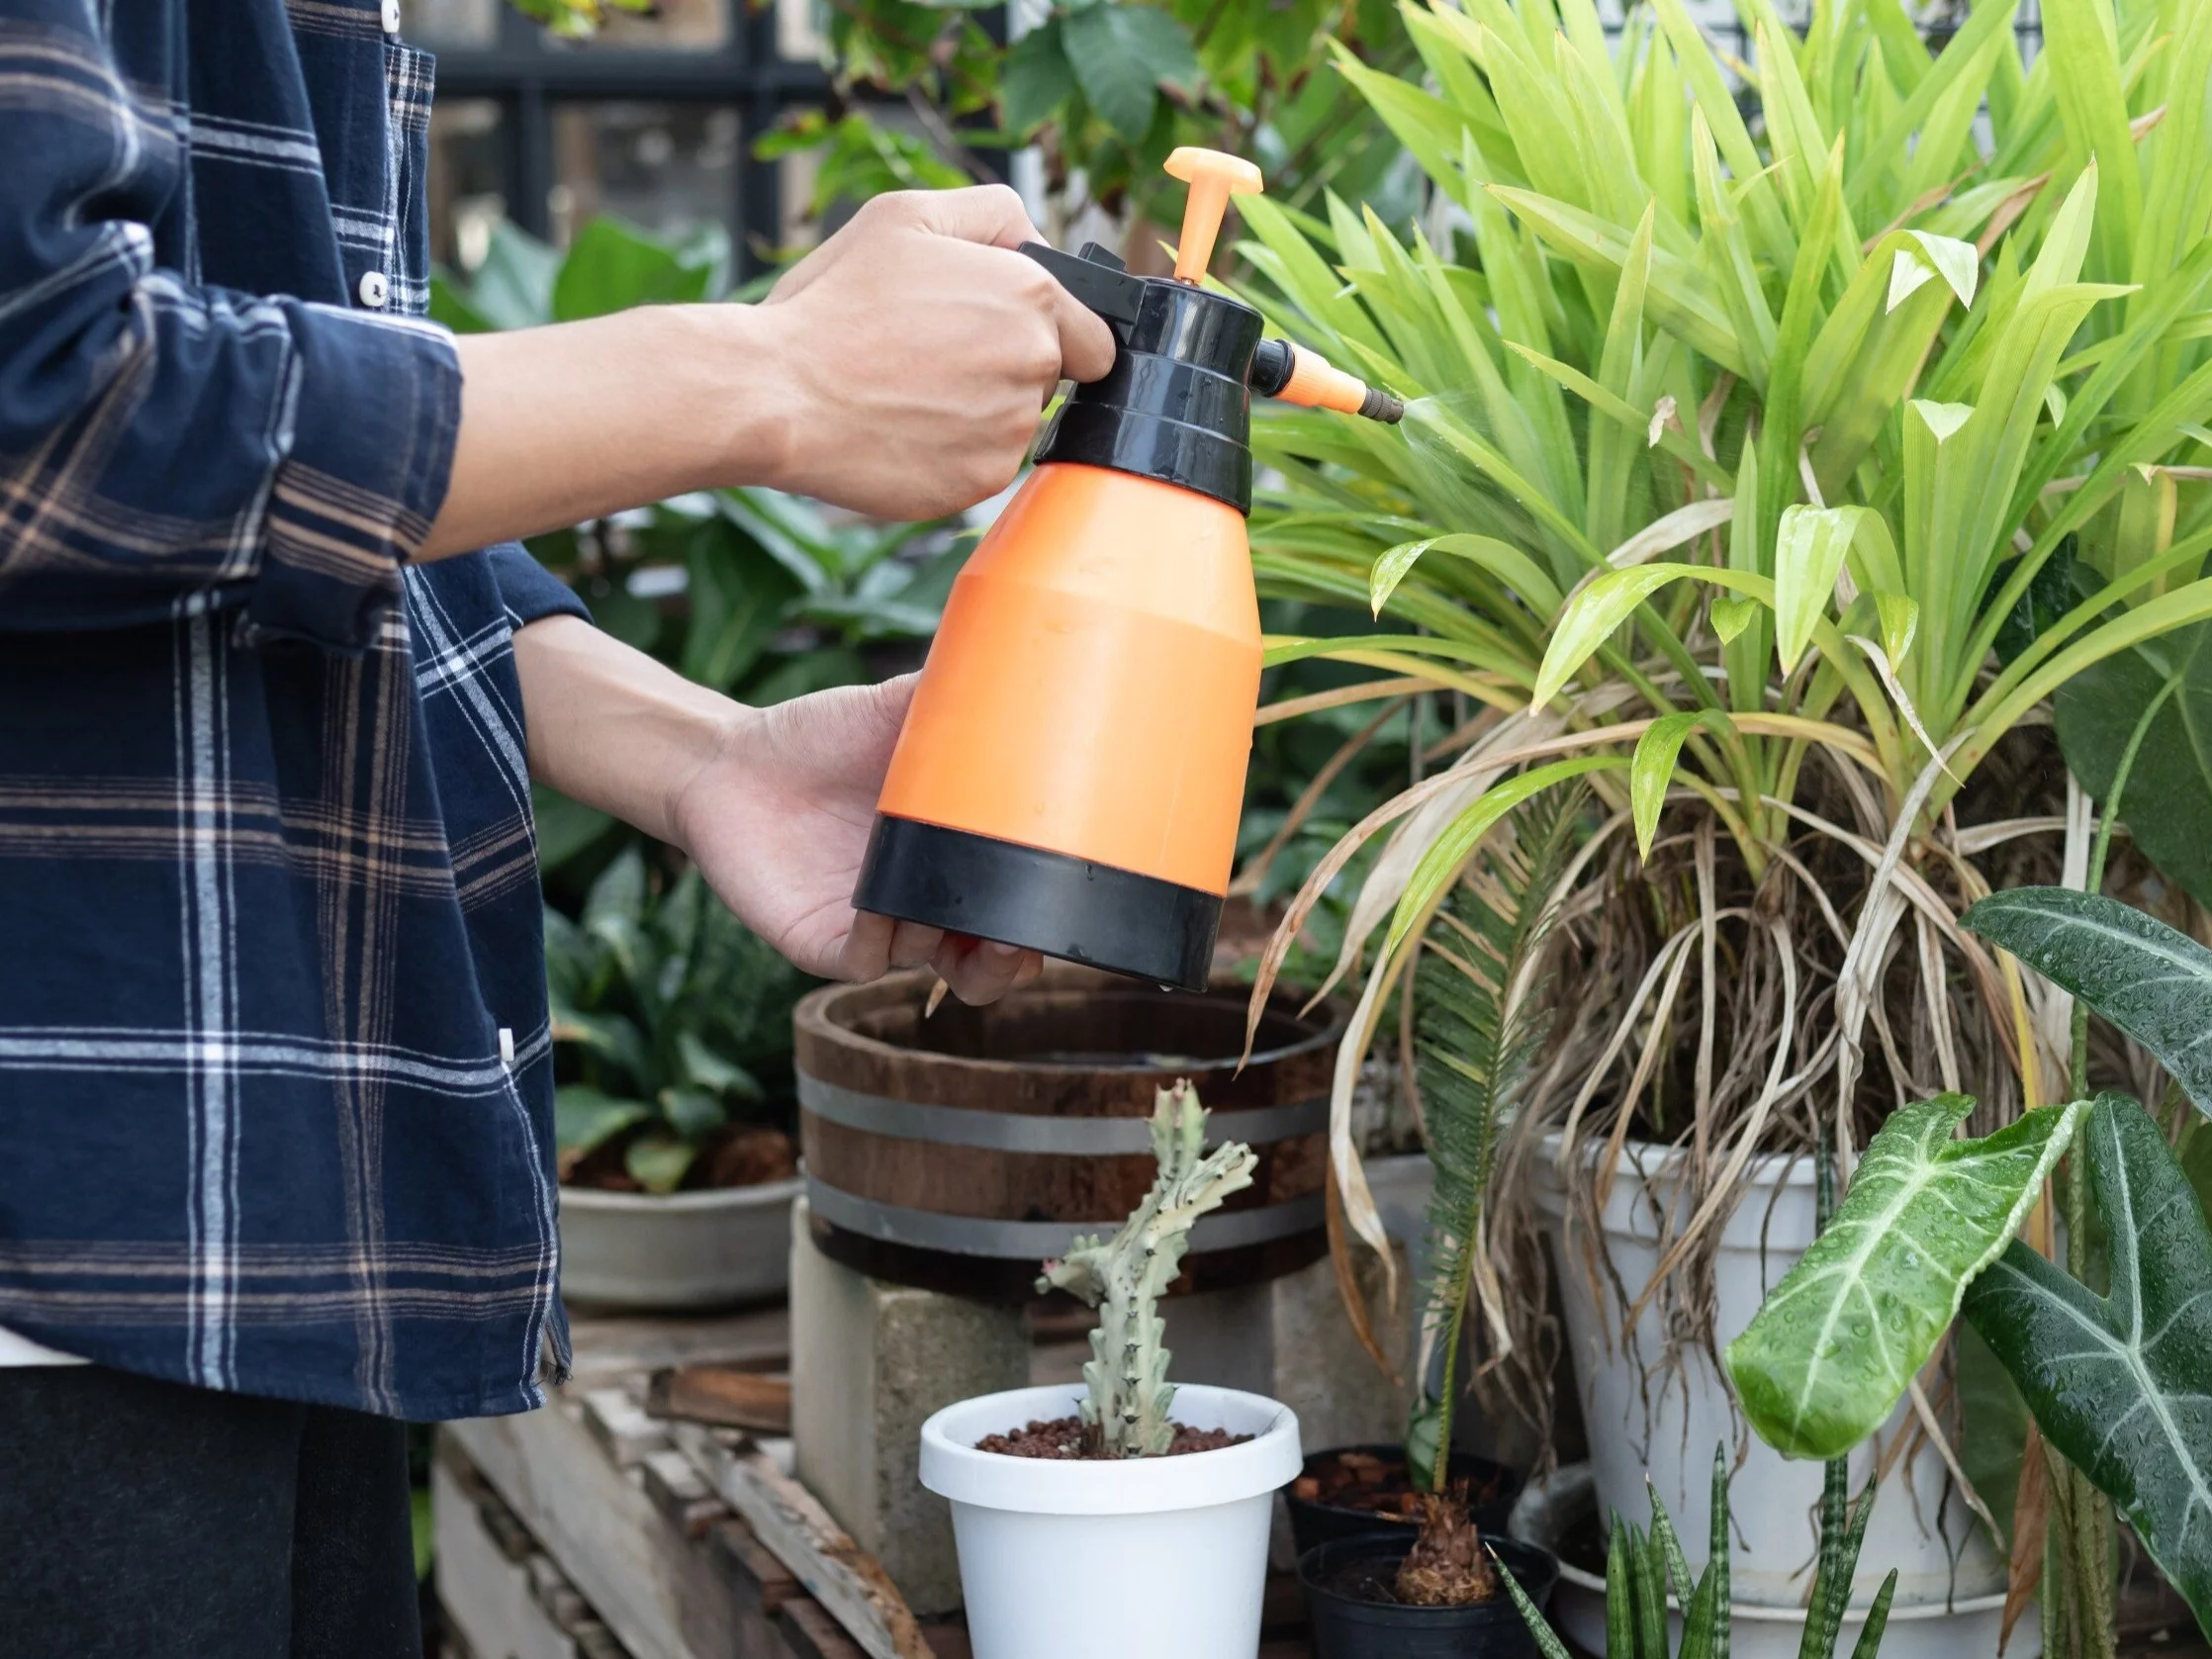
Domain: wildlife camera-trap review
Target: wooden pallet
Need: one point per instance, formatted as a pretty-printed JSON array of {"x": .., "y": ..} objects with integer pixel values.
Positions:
[
  {"x": 598, "y": 1529},
  {"x": 583, "y": 1524}
]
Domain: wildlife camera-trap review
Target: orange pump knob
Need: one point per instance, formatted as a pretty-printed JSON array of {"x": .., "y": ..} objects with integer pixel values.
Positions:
[{"x": 1213, "y": 178}]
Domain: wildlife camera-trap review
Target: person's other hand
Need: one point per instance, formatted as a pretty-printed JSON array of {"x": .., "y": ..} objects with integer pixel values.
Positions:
[
  {"x": 778, "y": 819},
  {"x": 917, "y": 349}
]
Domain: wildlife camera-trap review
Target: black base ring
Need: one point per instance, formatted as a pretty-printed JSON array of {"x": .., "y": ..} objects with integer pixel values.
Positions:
[{"x": 1062, "y": 906}]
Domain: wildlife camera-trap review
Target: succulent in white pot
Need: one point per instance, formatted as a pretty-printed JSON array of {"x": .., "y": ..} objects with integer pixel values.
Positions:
[{"x": 1173, "y": 1487}]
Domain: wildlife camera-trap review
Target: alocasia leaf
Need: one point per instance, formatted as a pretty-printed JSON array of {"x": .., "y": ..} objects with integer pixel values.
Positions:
[
  {"x": 2154, "y": 983},
  {"x": 1831, "y": 1352},
  {"x": 2169, "y": 795},
  {"x": 2122, "y": 1384}
]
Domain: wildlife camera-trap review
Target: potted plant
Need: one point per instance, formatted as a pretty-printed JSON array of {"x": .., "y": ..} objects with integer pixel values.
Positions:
[
  {"x": 1742, "y": 462},
  {"x": 1173, "y": 1486},
  {"x": 678, "y": 1175},
  {"x": 2115, "y": 1380},
  {"x": 1652, "y": 1610},
  {"x": 1485, "y": 1012}
]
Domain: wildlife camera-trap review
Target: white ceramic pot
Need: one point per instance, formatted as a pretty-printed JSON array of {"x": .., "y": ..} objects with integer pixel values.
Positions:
[
  {"x": 1643, "y": 1417},
  {"x": 681, "y": 1252},
  {"x": 1163, "y": 1557},
  {"x": 1551, "y": 1508}
]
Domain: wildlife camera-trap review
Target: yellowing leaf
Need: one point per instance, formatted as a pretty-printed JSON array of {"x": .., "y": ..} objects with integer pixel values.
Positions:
[
  {"x": 1610, "y": 599},
  {"x": 1810, "y": 548},
  {"x": 1508, "y": 564},
  {"x": 1653, "y": 767},
  {"x": 1441, "y": 862}
]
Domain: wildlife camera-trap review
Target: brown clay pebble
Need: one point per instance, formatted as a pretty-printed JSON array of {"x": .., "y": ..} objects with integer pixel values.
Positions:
[{"x": 1063, "y": 1437}]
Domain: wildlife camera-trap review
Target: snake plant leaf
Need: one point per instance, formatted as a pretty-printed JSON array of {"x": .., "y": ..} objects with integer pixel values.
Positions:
[
  {"x": 2118, "y": 1382},
  {"x": 1547, "y": 1639},
  {"x": 1833, "y": 1348},
  {"x": 2152, "y": 983}
]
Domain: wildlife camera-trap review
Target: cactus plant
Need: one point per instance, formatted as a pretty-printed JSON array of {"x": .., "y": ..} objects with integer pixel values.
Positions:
[{"x": 1126, "y": 1411}]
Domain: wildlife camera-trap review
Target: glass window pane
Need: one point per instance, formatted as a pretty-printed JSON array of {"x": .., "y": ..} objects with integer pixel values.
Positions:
[
  {"x": 801, "y": 29},
  {"x": 667, "y": 167},
  {"x": 467, "y": 169},
  {"x": 671, "y": 25},
  {"x": 450, "y": 22}
]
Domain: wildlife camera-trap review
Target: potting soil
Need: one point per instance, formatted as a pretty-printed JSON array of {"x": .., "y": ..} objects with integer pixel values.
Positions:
[{"x": 1062, "y": 1437}]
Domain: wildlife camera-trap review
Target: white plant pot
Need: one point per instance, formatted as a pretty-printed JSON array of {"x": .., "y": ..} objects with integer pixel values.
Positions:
[
  {"x": 1551, "y": 1507},
  {"x": 1643, "y": 1417},
  {"x": 1158, "y": 1557},
  {"x": 679, "y": 1252}
]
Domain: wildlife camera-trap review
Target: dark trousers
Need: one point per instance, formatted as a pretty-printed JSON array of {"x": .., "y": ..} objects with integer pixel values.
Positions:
[{"x": 141, "y": 1517}]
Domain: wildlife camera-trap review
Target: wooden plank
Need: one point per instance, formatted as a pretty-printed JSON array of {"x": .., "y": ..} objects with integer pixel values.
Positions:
[
  {"x": 813, "y": 1635},
  {"x": 680, "y": 1493},
  {"x": 608, "y": 1347},
  {"x": 771, "y": 1581},
  {"x": 503, "y": 1600},
  {"x": 799, "y": 1532},
  {"x": 662, "y": 1594},
  {"x": 621, "y": 1427},
  {"x": 723, "y": 1394}
]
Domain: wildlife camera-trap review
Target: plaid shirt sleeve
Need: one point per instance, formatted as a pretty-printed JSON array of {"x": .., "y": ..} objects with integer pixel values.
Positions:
[{"x": 168, "y": 447}]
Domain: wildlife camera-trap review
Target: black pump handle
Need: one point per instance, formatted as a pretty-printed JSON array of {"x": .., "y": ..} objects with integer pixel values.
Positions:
[{"x": 1095, "y": 277}]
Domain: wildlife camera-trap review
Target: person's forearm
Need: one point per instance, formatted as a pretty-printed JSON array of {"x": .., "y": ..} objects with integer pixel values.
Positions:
[
  {"x": 574, "y": 421},
  {"x": 613, "y": 728}
]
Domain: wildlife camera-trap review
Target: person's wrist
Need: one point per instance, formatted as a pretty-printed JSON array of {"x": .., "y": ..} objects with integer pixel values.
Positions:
[
  {"x": 714, "y": 732},
  {"x": 734, "y": 390}
]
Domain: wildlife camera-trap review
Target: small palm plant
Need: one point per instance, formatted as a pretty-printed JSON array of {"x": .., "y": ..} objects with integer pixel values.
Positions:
[{"x": 1484, "y": 1016}]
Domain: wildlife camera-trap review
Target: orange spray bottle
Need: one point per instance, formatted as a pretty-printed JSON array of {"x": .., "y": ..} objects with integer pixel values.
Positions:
[{"x": 1072, "y": 770}]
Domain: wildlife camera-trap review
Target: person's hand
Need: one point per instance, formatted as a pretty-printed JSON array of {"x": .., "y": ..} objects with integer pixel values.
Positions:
[
  {"x": 777, "y": 818},
  {"x": 918, "y": 350}
]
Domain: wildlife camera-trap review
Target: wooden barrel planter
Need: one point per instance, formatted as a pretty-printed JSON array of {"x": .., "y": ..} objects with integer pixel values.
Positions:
[{"x": 958, "y": 1153}]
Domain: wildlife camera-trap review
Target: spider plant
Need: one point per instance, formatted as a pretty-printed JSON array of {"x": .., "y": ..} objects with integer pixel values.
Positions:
[{"x": 1737, "y": 447}]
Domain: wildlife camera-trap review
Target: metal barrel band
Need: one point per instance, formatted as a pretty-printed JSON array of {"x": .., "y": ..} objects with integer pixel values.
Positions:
[
  {"x": 928, "y": 1230},
  {"x": 1026, "y": 1131}
]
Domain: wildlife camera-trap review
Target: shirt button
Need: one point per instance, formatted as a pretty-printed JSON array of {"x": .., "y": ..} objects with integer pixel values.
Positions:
[
  {"x": 374, "y": 290},
  {"x": 390, "y": 17}
]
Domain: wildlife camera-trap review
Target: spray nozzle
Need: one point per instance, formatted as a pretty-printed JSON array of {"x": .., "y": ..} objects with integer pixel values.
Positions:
[
  {"x": 1213, "y": 176},
  {"x": 1306, "y": 378}
]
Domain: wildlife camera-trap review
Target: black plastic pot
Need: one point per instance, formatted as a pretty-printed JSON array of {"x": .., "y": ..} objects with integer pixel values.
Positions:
[
  {"x": 1346, "y": 1627},
  {"x": 1492, "y": 1487}
]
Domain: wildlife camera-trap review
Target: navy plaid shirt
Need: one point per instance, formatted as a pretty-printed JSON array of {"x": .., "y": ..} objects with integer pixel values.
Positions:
[{"x": 275, "y": 1080}]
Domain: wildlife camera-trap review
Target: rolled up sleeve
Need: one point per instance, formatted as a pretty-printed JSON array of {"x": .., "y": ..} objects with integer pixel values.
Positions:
[
  {"x": 169, "y": 448},
  {"x": 530, "y": 592}
]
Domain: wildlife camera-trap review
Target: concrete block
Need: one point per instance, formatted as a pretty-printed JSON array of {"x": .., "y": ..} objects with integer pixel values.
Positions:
[
  {"x": 869, "y": 1362},
  {"x": 1322, "y": 1372},
  {"x": 1292, "y": 1340}
]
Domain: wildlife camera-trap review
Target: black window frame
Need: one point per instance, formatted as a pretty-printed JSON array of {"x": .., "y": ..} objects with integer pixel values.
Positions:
[{"x": 526, "y": 73}]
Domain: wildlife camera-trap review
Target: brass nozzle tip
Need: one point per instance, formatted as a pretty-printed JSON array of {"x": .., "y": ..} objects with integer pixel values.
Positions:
[{"x": 1379, "y": 405}]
